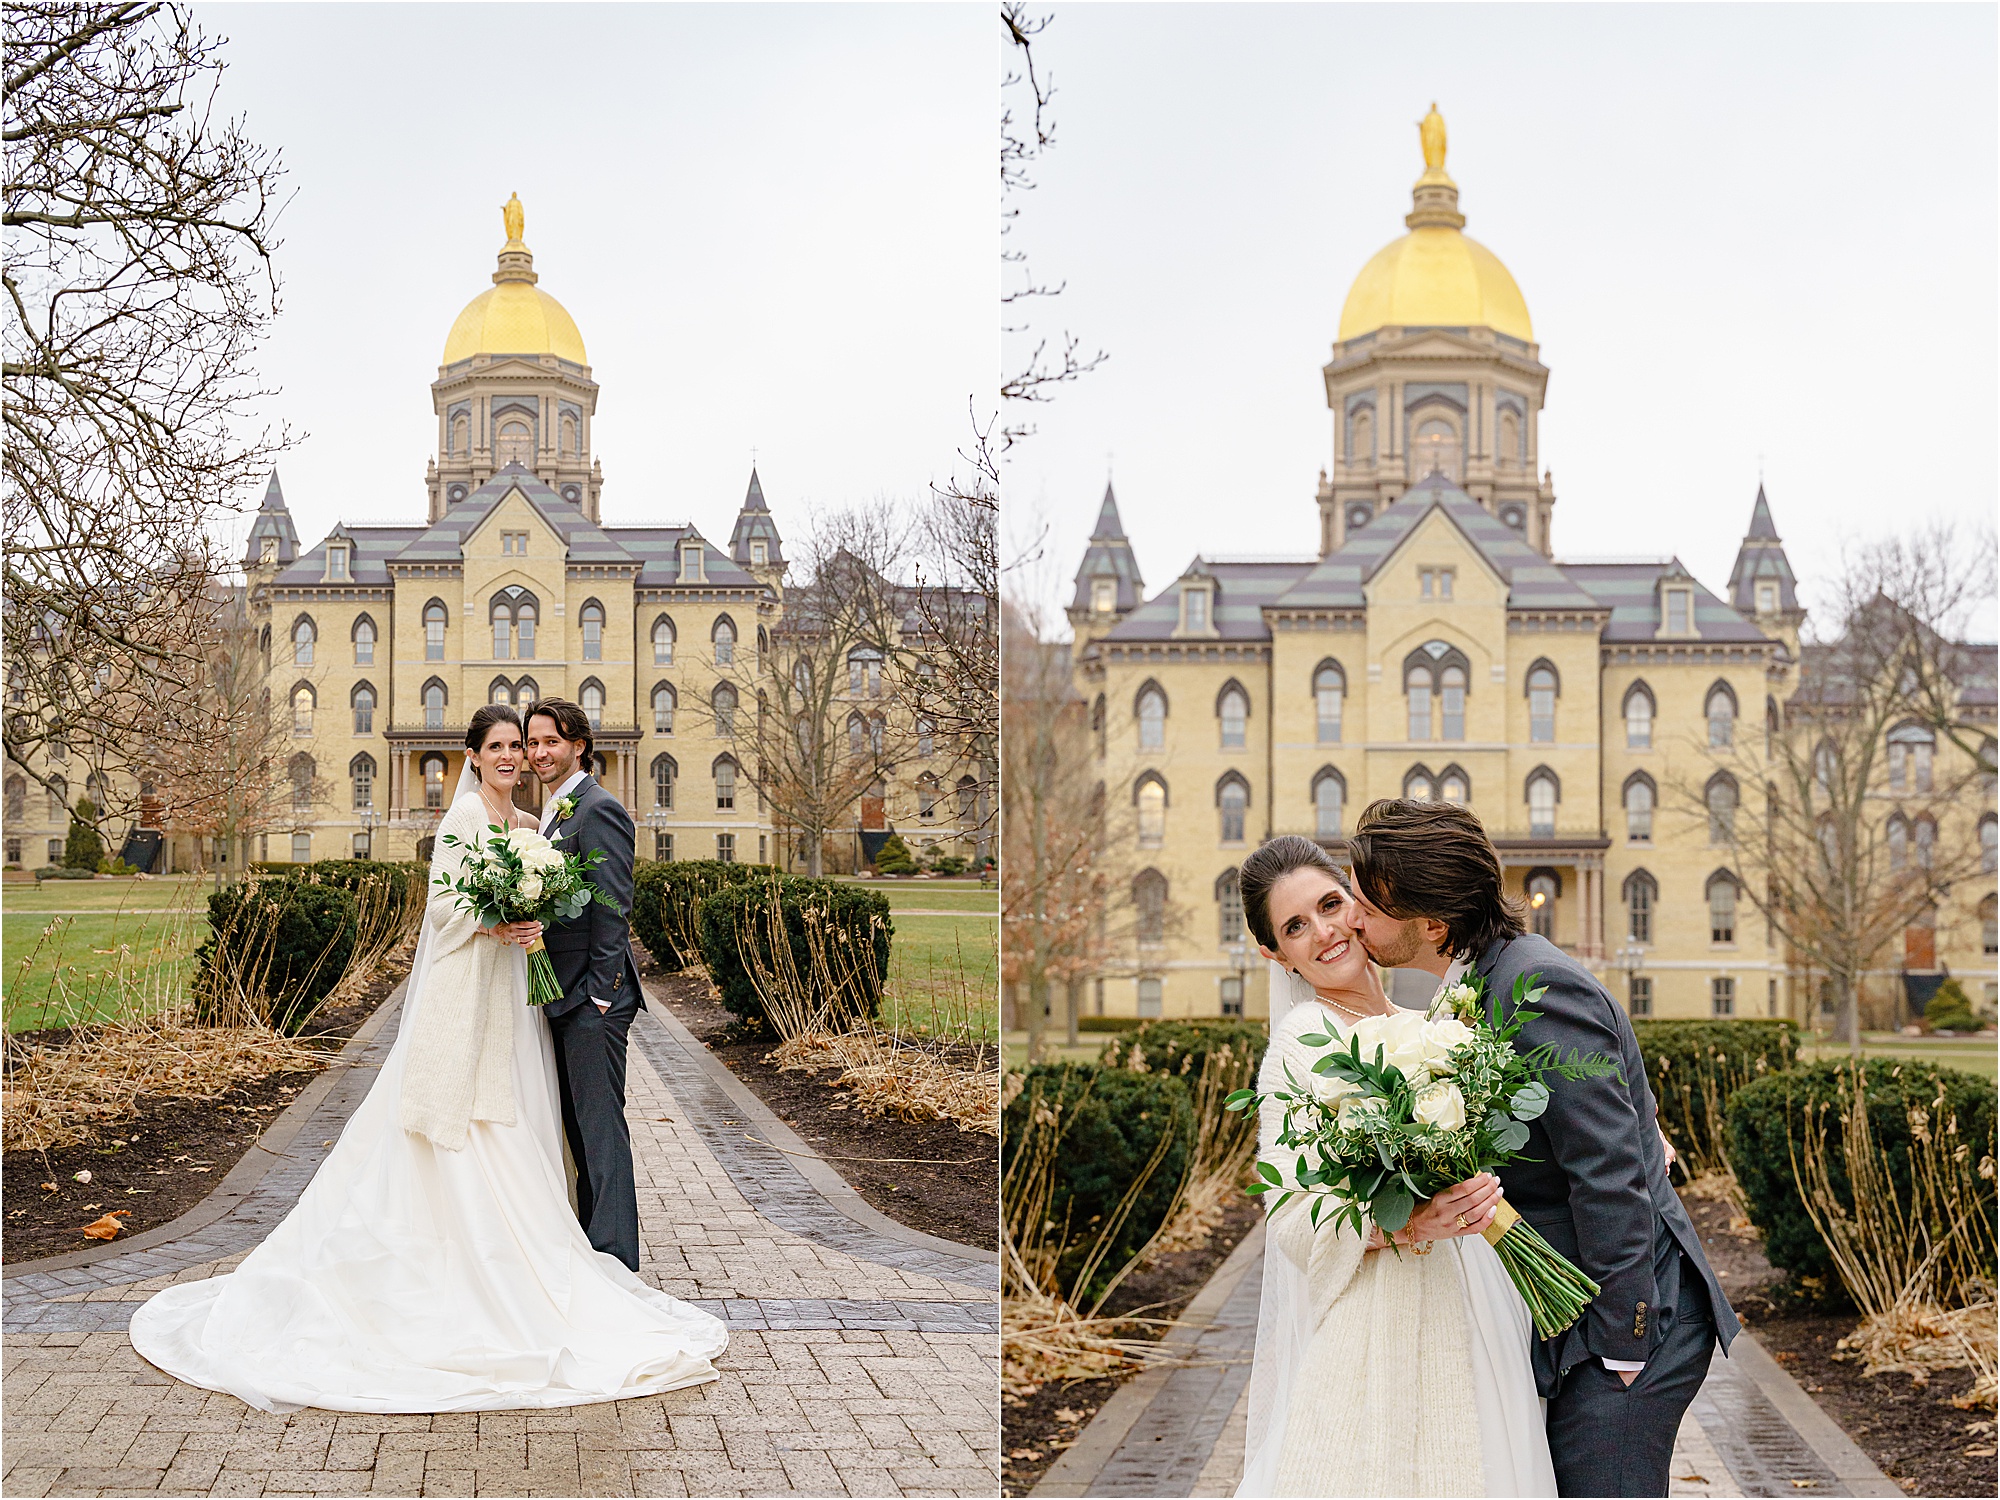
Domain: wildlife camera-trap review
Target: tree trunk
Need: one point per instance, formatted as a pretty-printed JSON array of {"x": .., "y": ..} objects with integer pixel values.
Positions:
[
  {"x": 1038, "y": 1015},
  {"x": 1071, "y": 1001}
]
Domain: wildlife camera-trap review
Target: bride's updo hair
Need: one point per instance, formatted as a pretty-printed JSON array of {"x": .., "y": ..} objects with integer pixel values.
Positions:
[
  {"x": 482, "y": 725},
  {"x": 1270, "y": 864}
]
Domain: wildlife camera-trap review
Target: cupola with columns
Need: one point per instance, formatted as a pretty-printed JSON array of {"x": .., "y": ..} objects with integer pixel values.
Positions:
[{"x": 1435, "y": 369}]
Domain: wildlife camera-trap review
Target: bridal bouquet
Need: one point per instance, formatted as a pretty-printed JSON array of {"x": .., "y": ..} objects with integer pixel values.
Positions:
[
  {"x": 1416, "y": 1102},
  {"x": 519, "y": 876}
]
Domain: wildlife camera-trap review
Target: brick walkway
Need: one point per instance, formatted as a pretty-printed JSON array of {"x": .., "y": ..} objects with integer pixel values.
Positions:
[
  {"x": 862, "y": 1356},
  {"x": 1179, "y": 1430}
]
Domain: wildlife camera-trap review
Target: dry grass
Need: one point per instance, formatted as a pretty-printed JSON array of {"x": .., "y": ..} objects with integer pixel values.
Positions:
[{"x": 889, "y": 1076}]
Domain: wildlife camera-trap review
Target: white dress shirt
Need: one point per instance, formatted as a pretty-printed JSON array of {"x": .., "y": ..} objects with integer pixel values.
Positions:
[{"x": 549, "y": 810}]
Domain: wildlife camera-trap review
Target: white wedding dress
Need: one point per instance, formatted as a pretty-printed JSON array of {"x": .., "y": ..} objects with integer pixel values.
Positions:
[
  {"x": 1512, "y": 1444},
  {"x": 410, "y": 1278}
]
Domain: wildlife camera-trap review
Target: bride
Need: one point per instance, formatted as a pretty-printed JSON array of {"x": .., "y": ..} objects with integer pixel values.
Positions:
[
  {"x": 434, "y": 1263},
  {"x": 1378, "y": 1371}
]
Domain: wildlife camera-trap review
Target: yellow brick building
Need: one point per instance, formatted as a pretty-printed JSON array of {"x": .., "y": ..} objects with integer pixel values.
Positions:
[{"x": 1435, "y": 647}]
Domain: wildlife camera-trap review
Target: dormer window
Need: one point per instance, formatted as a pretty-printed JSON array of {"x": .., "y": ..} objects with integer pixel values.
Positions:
[
  {"x": 1767, "y": 598},
  {"x": 1103, "y": 595},
  {"x": 269, "y": 551},
  {"x": 1195, "y": 608},
  {"x": 691, "y": 563},
  {"x": 336, "y": 564},
  {"x": 1679, "y": 611},
  {"x": 760, "y": 554}
]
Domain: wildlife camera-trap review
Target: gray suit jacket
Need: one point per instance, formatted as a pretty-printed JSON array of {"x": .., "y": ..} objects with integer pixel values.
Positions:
[
  {"x": 592, "y": 955},
  {"x": 1593, "y": 1176}
]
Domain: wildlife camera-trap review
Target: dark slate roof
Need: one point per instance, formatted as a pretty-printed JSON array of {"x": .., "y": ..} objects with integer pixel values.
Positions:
[
  {"x": 754, "y": 523},
  {"x": 444, "y": 541},
  {"x": 1762, "y": 556},
  {"x": 660, "y": 549},
  {"x": 1632, "y": 590},
  {"x": 1533, "y": 582},
  {"x": 1242, "y": 589},
  {"x": 373, "y": 547},
  {"x": 274, "y": 519},
  {"x": 1109, "y": 556}
]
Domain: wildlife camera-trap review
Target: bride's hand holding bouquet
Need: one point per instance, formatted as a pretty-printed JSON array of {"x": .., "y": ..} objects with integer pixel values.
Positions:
[{"x": 518, "y": 880}]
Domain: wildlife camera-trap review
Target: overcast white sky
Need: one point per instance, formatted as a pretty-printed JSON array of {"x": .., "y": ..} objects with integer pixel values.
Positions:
[
  {"x": 1740, "y": 230},
  {"x": 773, "y": 225}
]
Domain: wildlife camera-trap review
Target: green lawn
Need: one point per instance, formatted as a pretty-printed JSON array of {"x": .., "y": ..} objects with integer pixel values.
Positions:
[
  {"x": 106, "y": 895},
  {"x": 935, "y": 895},
  {"x": 1090, "y": 1044},
  {"x": 58, "y": 971},
  {"x": 944, "y": 972},
  {"x": 1968, "y": 1054}
]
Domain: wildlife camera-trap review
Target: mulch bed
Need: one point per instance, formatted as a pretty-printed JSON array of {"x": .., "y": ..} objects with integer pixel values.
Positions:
[
  {"x": 1911, "y": 1431},
  {"x": 164, "y": 1159},
  {"x": 929, "y": 1175},
  {"x": 1035, "y": 1428}
]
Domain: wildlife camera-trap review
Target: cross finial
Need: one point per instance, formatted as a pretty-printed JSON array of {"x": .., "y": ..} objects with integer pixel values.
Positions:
[{"x": 753, "y": 455}]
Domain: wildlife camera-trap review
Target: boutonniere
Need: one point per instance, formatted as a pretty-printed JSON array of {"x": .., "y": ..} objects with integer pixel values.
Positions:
[{"x": 565, "y": 809}]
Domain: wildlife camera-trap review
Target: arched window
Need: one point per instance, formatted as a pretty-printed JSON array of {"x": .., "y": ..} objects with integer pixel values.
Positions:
[
  {"x": 591, "y": 617},
  {"x": 725, "y": 784},
  {"x": 1544, "y": 888},
  {"x": 723, "y": 637},
  {"x": 1510, "y": 439},
  {"x": 1543, "y": 686},
  {"x": 968, "y": 799},
  {"x": 362, "y": 701},
  {"x": 500, "y": 690},
  {"x": 1544, "y": 792},
  {"x": 1232, "y": 797},
  {"x": 723, "y": 704},
  {"x": 664, "y": 701},
  {"x": 1329, "y": 688},
  {"x": 1829, "y": 844},
  {"x": 524, "y": 630},
  {"x": 864, "y": 672},
  {"x": 17, "y": 799},
  {"x": 927, "y": 797},
  {"x": 1329, "y": 793},
  {"x": 302, "y": 709},
  {"x": 434, "y": 622},
  {"x": 1232, "y": 706},
  {"x": 461, "y": 434},
  {"x": 1362, "y": 448},
  {"x": 857, "y": 736},
  {"x": 503, "y": 628},
  {"x": 663, "y": 642},
  {"x": 514, "y": 442},
  {"x": 569, "y": 435},
  {"x": 1912, "y": 749},
  {"x": 1642, "y": 894},
  {"x": 303, "y": 770},
  {"x": 591, "y": 699},
  {"x": 1923, "y": 834},
  {"x": 1826, "y": 768},
  {"x": 434, "y": 704},
  {"x": 926, "y": 736},
  {"x": 1639, "y": 708},
  {"x": 1721, "y": 799},
  {"x": 1451, "y": 701},
  {"x": 1639, "y": 801},
  {"x": 1417, "y": 682},
  {"x": 1149, "y": 900},
  {"x": 665, "y": 770},
  {"x": 361, "y": 771},
  {"x": 526, "y": 693},
  {"x": 1418, "y": 784},
  {"x": 1150, "y": 797},
  {"x": 1989, "y": 926},
  {"x": 1229, "y": 906},
  {"x": 1989, "y": 844},
  {"x": 58, "y": 799},
  {"x": 1454, "y": 786},
  {"x": 878, "y": 732},
  {"x": 1897, "y": 835},
  {"x": 1099, "y": 715},
  {"x": 1435, "y": 448},
  {"x": 303, "y": 637},
  {"x": 1721, "y": 712},
  {"x": 1722, "y": 907},
  {"x": 364, "y": 642},
  {"x": 1152, "y": 714}
]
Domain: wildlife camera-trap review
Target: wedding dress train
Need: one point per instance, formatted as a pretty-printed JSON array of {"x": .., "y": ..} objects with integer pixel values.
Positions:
[{"x": 411, "y": 1278}]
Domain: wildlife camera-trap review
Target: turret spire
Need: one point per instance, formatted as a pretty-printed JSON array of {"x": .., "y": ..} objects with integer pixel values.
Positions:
[{"x": 1761, "y": 584}]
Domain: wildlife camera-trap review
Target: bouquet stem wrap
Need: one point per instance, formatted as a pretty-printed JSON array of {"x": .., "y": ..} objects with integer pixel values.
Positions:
[
  {"x": 542, "y": 985},
  {"x": 1556, "y": 1291}
]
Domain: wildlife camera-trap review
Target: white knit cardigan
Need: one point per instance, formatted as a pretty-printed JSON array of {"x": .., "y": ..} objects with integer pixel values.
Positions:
[
  {"x": 460, "y": 1062},
  {"x": 1382, "y": 1403}
]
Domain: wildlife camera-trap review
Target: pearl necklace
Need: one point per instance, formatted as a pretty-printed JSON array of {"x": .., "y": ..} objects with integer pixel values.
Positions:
[{"x": 1350, "y": 1010}]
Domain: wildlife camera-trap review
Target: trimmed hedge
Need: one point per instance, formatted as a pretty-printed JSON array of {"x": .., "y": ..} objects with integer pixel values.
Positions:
[
  {"x": 63, "y": 872},
  {"x": 740, "y": 914},
  {"x": 1761, "y": 1114},
  {"x": 666, "y": 903},
  {"x": 301, "y": 932},
  {"x": 1112, "y": 1123},
  {"x": 1180, "y": 1048},
  {"x": 1733, "y": 1053}
]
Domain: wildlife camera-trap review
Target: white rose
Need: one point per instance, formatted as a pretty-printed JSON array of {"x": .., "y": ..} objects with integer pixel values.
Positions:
[
  {"x": 531, "y": 886},
  {"x": 524, "y": 840},
  {"x": 1440, "y": 1104},
  {"x": 1328, "y": 1090},
  {"x": 1402, "y": 1040},
  {"x": 544, "y": 858},
  {"x": 1440, "y": 1037}
]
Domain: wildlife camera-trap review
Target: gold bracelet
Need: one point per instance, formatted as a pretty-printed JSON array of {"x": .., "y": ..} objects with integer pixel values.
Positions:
[{"x": 1420, "y": 1247}]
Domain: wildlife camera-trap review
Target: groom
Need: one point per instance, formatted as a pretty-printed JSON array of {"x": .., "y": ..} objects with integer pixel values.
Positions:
[
  {"x": 592, "y": 957},
  {"x": 1593, "y": 1176}
]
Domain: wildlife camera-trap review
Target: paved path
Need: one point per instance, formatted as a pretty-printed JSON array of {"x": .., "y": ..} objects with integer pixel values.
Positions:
[
  {"x": 862, "y": 1356},
  {"x": 1179, "y": 1430}
]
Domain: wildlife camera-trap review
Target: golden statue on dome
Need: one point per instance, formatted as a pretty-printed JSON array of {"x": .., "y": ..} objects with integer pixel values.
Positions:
[
  {"x": 1431, "y": 130},
  {"x": 514, "y": 218}
]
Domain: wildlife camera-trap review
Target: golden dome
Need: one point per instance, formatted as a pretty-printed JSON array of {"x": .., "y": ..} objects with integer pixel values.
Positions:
[
  {"x": 1435, "y": 276},
  {"x": 515, "y": 316}
]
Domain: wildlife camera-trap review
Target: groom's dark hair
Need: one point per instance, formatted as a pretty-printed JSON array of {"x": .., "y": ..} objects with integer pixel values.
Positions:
[
  {"x": 572, "y": 723},
  {"x": 1433, "y": 859}
]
